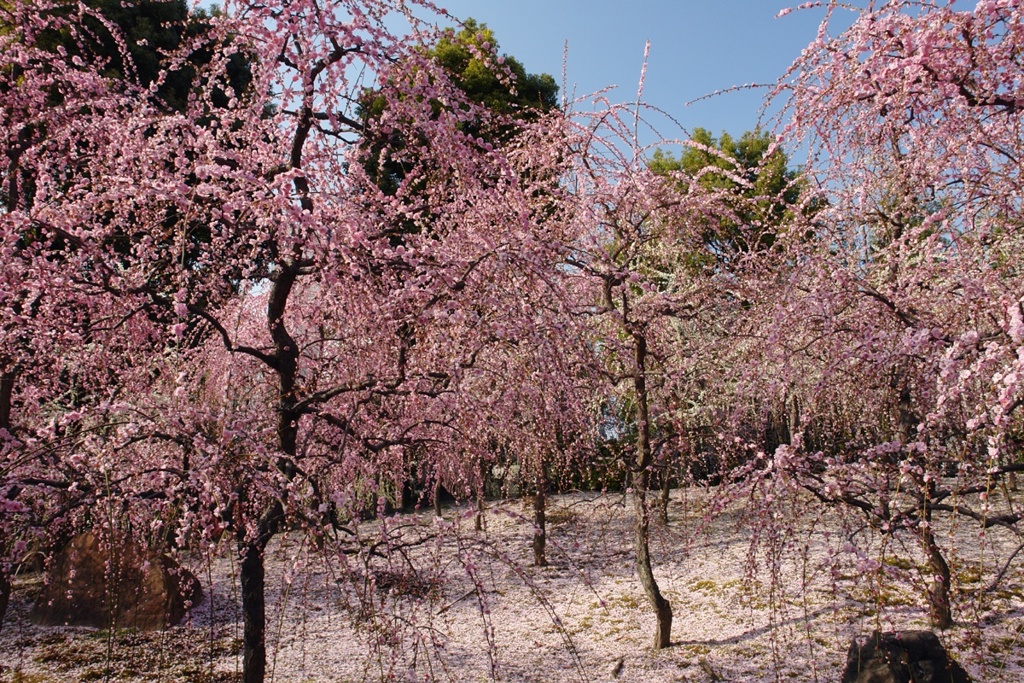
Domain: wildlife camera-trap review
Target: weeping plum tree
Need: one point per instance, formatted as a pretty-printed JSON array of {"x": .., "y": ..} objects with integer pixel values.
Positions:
[
  {"x": 899, "y": 314},
  {"x": 551, "y": 381},
  {"x": 546, "y": 429},
  {"x": 225, "y": 282},
  {"x": 515, "y": 103},
  {"x": 639, "y": 295},
  {"x": 34, "y": 390}
]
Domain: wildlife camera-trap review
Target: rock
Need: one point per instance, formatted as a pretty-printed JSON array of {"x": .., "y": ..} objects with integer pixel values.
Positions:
[
  {"x": 901, "y": 657},
  {"x": 141, "y": 589}
]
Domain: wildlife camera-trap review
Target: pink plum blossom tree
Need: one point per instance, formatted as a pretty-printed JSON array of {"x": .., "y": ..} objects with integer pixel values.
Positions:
[
  {"x": 248, "y": 343},
  {"x": 643, "y": 301},
  {"x": 893, "y": 318}
]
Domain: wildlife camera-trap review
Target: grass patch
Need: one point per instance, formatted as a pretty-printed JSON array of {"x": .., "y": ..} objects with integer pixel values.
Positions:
[
  {"x": 71, "y": 655},
  {"x": 695, "y": 650},
  {"x": 204, "y": 675},
  {"x": 626, "y": 601},
  {"x": 898, "y": 562},
  {"x": 22, "y": 677},
  {"x": 560, "y": 516},
  {"x": 970, "y": 574}
]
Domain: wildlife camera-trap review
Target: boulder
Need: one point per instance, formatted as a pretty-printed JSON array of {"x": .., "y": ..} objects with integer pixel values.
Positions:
[
  {"x": 119, "y": 584},
  {"x": 901, "y": 657}
]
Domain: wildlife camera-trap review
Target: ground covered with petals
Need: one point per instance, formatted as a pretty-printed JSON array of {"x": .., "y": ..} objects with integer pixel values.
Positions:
[{"x": 453, "y": 603}]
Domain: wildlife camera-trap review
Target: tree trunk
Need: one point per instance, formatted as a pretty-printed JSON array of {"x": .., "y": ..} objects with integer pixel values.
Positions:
[
  {"x": 6, "y": 393},
  {"x": 254, "y": 612},
  {"x": 907, "y": 427},
  {"x": 642, "y": 535},
  {"x": 478, "y": 522},
  {"x": 480, "y": 504},
  {"x": 5, "y": 595},
  {"x": 437, "y": 498},
  {"x": 939, "y": 608},
  {"x": 540, "y": 522},
  {"x": 793, "y": 421},
  {"x": 662, "y": 607},
  {"x": 253, "y": 580}
]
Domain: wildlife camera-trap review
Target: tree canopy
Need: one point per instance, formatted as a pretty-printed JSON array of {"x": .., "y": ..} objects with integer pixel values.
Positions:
[
  {"x": 506, "y": 94},
  {"x": 499, "y": 83},
  {"x": 753, "y": 172},
  {"x": 132, "y": 42}
]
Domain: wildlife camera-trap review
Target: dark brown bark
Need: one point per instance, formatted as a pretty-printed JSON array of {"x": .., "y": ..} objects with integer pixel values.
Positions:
[
  {"x": 540, "y": 523},
  {"x": 6, "y": 392},
  {"x": 939, "y": 607},
  {"x": 939, "y": 610},
  {"x": 938, "y": 579},
  {"x": 254, "y": 616},
  {"x": 480, "y": 505},
  {"x": 5, "y": 595},
  {"x": 641, "y": 538},
  {"x": 6, "y": 397},
  {"x": 253, "y": 584},
  {"x": 793, "y": 423},
  {"x": 642, "y": 529},
  {"x": 907, "y": 427},
  {"x": 437, "y": 498}
]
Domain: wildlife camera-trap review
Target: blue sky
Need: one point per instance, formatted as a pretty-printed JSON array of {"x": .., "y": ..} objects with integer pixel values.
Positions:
[{"x": 697, "y": 47}]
